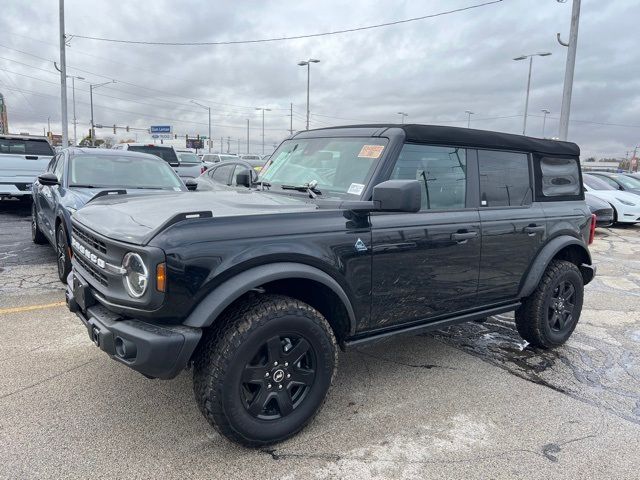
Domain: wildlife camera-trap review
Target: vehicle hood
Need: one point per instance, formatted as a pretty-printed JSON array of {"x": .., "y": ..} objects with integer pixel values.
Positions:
[
  {"x": 81, "y": 196},
  {"x": 614, "y": 197},
  {"x": 138, "y": 218}
]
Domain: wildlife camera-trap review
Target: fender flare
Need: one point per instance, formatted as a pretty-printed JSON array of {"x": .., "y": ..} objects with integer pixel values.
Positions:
[
  {"x": 226, "y": 293},
  {"x": 544, "y": 257}
]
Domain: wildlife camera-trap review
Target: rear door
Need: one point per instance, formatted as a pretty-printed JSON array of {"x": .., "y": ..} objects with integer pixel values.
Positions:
[
  {"x": 426, "y": 264},
  {"x": 513, "y": 227}
]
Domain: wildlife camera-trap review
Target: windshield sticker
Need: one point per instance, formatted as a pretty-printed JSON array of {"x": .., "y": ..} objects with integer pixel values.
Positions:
[
  {"x": 356, "y": 188},
  {"x": 371, "y": 151}
]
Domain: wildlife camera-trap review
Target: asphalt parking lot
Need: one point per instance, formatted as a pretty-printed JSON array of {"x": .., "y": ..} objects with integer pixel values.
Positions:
[{"x": 469, "y": 401}]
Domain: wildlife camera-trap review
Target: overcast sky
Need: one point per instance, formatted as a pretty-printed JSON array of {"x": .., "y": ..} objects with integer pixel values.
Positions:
[{"x": 433, "y": 69}]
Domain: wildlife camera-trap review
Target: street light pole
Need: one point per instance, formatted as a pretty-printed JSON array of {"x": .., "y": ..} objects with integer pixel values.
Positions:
[
  {"x": 569, "y": 70},
  {"x": 469, "y": 113},
  {"x": 264, "y": 110},
  {"x": 63, "y": 79},
  {"x": 526, "y": 102},
  {"x": 308, "y": 63},
  {"x": 93, "y": 129},
  {"x": 402, "y": 115},
  {"x": 209, "y": 110},
  {"x": 75, "y": 120},
  {"x": 247, "y": 137},
  {"x": 544, "y": 119}
]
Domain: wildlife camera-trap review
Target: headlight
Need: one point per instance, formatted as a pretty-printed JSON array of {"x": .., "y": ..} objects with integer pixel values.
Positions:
[
  {"x": 136, "y": 276},
  {"x": 626, "y": 202}
]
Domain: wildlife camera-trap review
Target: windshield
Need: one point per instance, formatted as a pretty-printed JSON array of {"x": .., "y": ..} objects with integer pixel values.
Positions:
[
  {"x": 165, "y": 153},
  {"x": 122, "y": 171},
  {"x": 341, "y": 166},
  {"x": 189, "y": 158},
  {"x": 596, "y": 184},
  {"x": 628, "y": 182},
  {"x": 20, "y": 146}
]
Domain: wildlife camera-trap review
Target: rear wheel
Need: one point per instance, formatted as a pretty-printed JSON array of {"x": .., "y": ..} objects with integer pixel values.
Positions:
[
  {"x": 36, "y": 235},
  {"x": 62, "y": 254},
  {"x": 549, "y": 315},
  {"x": 263, "y": 374}
]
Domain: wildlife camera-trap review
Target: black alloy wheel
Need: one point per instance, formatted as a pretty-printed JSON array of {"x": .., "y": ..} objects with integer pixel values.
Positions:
[
  {"x": 279, "y": 377},
  {"x": 561, "y": 307},
  {"x": 62, "y": 255}
]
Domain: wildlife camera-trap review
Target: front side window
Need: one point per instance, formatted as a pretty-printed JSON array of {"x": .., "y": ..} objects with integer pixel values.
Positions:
[
  {"x": 595, "y": 183},
  {"x": 121, "y": 171},
  {"x": 340, "y": 167},
  {"x": 610, "y": 181},
  {"x": 441, "y": 171},
  {"x": 628, "y": 182},
  {"x": 504, "y": 179}
]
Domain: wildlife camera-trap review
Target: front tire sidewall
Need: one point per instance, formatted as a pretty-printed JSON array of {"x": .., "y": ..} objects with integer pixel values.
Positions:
[
  {"x": 270, "y": 431},
  {"x": 65, "y": 269},
  {"x": 556, "y": 338}
]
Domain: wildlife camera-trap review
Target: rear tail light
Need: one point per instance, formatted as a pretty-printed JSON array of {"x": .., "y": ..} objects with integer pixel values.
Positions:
[
  {"x": 203, "y": 169},
  {"x": 592, "y": 229}
]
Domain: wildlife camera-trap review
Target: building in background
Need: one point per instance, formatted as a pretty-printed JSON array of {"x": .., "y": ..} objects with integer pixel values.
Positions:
[{"x": 4, "y": 121}]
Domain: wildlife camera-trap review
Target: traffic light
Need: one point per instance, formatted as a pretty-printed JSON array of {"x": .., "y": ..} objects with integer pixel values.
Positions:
[
  {"x": 90, "y": 133},
  {"x": 186, "y": 136},
  {"x": 198, "y": 137},
  {"x": 175, "y": 137},
  {"x": 114, "y": 129},
  {"x": 127, "y": 128}
]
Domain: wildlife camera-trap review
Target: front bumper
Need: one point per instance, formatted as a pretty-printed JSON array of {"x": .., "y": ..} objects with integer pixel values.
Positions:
[{"x": 156, "y": 351}]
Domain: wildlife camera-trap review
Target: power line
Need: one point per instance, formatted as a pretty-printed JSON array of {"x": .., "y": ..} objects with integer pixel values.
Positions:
[{"x": 296, "y": 37}]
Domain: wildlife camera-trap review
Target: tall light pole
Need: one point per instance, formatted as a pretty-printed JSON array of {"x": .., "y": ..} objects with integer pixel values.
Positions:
[
  {"x": 308, "y": 63},
  {"x": 526, "y": 102},
  {"x": 247, "y": 137},
  {"x": 264, "y": 110},
  {"x": 544, "y": 119},
  {"x": 63, "y": 79},
  {"x": 402, "y": 115},
  {"x": 469, "y": 113},
  {"x": 75, "y": 120},
  {"x": 209, "y": 110},
  {"x": 92, "y": 86},
  {"x": 569, "y": 69}
]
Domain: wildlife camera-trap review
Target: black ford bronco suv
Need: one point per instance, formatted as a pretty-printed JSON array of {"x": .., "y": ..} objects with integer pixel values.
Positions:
[{"x": 350, "y": 235}]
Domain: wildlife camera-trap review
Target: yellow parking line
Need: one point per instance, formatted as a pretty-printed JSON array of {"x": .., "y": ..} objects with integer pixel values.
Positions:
[{"x": 31, "y": 307}]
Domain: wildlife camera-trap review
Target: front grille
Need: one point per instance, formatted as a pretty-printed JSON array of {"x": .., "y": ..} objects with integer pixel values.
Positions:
[
  {"x": 94, "y": 271},
  {"x": 23, "y": 187},
  {"x": 90, "y": 240}
]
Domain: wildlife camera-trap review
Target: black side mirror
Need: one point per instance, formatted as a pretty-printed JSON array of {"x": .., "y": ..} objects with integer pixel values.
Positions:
[
  {"x": 48, "y": 178},
  {"x": 191, "y": 184},
  {"x": 398, "y": 196},
  {"x": 245, "y": 178}
]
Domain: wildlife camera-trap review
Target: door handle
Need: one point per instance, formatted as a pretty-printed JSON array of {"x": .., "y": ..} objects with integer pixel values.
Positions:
[
  {"x": 462, "y": 237},
  {"x": 531, "y": 230}
]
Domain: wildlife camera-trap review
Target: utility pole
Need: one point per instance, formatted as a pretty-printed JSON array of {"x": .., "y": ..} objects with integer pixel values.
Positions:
[
  {"x": 247, "y": 136},
  {"x": 63, "y": 79},
  {"x": 469, "y": 113},
  {"x": 264, "y": 110},
  {"x": 221, "y": 144},
  {"x": 238, "y": 146},
  {"x": 291, "y": 119},
  {"x": 48, "y": 126},
  {"x": 402, "y": 115},
  {"x": 209, "y": 110},
  {"x": 569, "y": 70}
]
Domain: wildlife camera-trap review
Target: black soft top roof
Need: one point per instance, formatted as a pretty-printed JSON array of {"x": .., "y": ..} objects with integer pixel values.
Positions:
[{"x": 469, "y": 137}]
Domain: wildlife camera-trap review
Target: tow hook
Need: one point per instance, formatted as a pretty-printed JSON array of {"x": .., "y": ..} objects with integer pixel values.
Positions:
[{"x": 95, "y": 336}]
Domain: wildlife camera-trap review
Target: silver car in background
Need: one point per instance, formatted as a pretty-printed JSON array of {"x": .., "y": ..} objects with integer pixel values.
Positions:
[
  {"x": 22, "y": 159},
  {"x": 186, "y": 167}
]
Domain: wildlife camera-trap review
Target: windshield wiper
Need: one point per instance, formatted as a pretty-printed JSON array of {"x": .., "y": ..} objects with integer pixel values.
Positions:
[{"x": 309, "y": 187}]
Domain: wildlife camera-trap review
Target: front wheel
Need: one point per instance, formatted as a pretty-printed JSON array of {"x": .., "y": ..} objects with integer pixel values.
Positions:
[
  {"x": 264, "y": 373},
  {"x": 62, "y": 254},
  {"x": 549, "y": 315}
]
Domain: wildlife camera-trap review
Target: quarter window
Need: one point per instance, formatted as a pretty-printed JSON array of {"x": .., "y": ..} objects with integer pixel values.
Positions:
[
  {"x": 560, "y": 177},
  {"x": 504, "y": 179},
  {"x": 441, "y": 171}
]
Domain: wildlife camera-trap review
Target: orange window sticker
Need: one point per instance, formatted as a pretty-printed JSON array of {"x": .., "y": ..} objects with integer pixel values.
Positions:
[{"x": 371, "y": 151}]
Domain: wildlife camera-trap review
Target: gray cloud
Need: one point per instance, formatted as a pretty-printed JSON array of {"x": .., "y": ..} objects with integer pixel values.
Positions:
[{"x": 433, "y": 69}]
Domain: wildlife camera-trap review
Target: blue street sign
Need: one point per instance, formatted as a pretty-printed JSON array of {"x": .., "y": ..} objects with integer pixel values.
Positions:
[{"x": 160, "y": 129}]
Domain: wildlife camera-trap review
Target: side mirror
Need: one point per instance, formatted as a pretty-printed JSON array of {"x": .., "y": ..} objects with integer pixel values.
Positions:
[
  {"x": 398, "y": 196},
  {"x": 191, "y": 184},
  {"x": 246, "y": 178},
  {"x": 48, "y": 178}
]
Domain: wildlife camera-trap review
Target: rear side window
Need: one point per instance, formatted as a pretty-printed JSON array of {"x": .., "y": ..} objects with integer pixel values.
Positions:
[
  {"x": 504, "y": 179},
  {"x": 441, "y": 171},
  {"x": 167, "y": 154},
  {"x": 560, "y": 177},
  {"x": 21, "y": 146}
]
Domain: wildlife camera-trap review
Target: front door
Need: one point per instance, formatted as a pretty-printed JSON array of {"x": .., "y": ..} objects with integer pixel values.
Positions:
[{"x": 425, "y": 264}]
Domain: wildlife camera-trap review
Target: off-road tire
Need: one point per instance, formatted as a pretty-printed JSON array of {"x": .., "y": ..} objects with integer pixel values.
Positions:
[
  {"x": 36, "y": 235},
  {"x": 532, "y": 317},
  {"x": 226, "y": 351},
  {"x": 63, "y": 259}
]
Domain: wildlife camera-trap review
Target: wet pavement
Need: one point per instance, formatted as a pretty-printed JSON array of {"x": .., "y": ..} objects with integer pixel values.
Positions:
[{"x": 470, "y": 401}]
